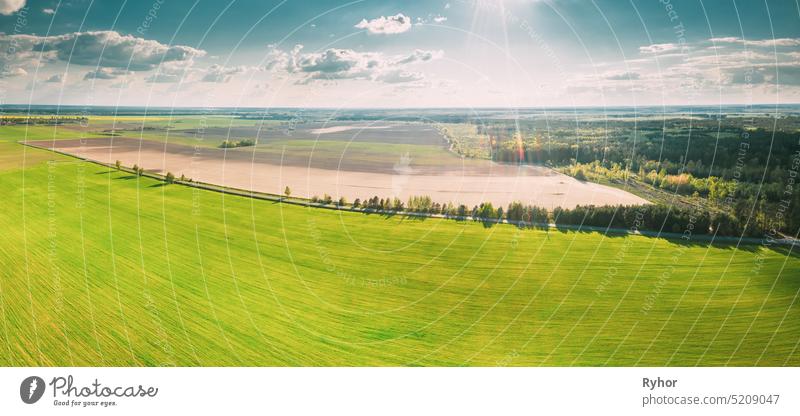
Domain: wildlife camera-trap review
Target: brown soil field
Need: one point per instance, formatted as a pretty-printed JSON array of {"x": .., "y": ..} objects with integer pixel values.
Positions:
[{"x": 241, "y": 168}]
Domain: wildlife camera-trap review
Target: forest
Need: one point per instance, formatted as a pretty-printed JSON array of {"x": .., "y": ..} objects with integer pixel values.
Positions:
[{"x": 740, "y": 171}]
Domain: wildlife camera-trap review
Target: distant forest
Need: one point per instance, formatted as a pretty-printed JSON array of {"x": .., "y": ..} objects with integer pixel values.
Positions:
[{"x": 742, "y": 172}]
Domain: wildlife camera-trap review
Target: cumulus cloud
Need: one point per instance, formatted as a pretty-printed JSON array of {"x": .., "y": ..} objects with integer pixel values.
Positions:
[
  {"x": 419, "y": 55},
  {"x": 278, "y": 59},
  {"x": 221, "y": 74},
  {"x": 105, "y": 73},
  {"x": 746, "y": 62},
  {"x": 334, "y": 63},
  {"x": 386, "y": 25},
  {"x": 8, "y": 7},
  {"x": 730, "y": 65},
  {"x": 724, "y": 40},
  {"x": 658, "y": 48},
  {"x": 399, "y": 76},
  {"x": 109, "y": 49},
  {"x": 48, "y": 11},
  {"x": 439, "y": 19},
  {"x": 623, "y": 76},
  {"x": 161, "y": 78},
  {"x": 778, "y": 42},
  {"x": 169, "y": 72},
  {"x": 786, "y": 74}
]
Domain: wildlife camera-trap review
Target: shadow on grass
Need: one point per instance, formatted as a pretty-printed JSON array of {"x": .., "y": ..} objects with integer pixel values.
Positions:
[
  {"x": 696, "y": 240},
  {"x": 787, "y": 251},
  {"x": 410, "y": 218},
  {"x": 158, "y": 185}
]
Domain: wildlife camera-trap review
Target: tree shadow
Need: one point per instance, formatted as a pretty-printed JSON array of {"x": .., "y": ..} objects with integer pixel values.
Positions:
[
  {"x": 414, "y": 218},
  {"x": 487, "y": 223},
  {"x": 695, "y": 240},
  {"x": 793, "y": 252}
]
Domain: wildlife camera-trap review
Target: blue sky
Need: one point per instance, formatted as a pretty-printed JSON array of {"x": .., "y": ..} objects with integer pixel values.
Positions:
[{"x": 399, "y": 53}]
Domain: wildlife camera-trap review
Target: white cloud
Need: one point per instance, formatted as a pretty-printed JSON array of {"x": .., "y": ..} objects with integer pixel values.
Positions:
[
  {"x": 730, "y": 66},
  {"x": 658, "y": 48},
  {"x": 724, "y": 40},
  {"x": 779, "y": 42},
  {"x": 333, "y": 63},
  {"x": 399, "y": 76},
  {"x": 105, "y": 73},
  {"x": 439, "y": 19},
  {"x": 162, "y": 78},
  {"x": 48, "y": 11},
  {"x": 109, "y": 49},
  {"x": 419, "y": 55},
  {"x": 8, "y": 7},
  {"x": 386, "y": 25},
  {"x": 622, "y": 76},
  {"x": 221, "y": 74}
]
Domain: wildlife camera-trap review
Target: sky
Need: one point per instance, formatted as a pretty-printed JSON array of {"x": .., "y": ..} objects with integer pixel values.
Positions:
[{"x": 390, "y": 53}]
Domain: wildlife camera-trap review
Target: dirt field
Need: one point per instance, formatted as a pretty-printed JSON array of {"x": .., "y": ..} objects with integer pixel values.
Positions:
[
  {"x": 377, "y": 132},
  {"x": 470, "y": 185}
]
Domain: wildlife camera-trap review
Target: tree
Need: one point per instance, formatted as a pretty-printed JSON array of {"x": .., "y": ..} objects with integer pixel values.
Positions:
[
  {"x": 579, "y": 175},
  {"x": 462, "y": 211},
  {"x": 342, "y": 201},
  {"x": 118, "y": 164},
  {"x": 170, "y": 177},
  {"x": 485, "y": 211},
  {"x": 136, "y": 169},
  {"x": 515, "y": 211},
  {"x": 140, "y": 171},
  {"x": 287, "y": 192}
]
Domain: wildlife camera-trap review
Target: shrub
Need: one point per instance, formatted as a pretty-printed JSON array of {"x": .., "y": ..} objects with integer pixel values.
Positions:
[{"x": 228, "y": 144}]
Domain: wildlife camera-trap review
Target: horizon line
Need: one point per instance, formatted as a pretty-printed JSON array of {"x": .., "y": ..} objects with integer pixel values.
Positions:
[{"x": 302, "y": 108}]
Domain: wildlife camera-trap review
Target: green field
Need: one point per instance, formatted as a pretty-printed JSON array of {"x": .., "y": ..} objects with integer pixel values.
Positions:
[
  {"x": 305, "y": 147},
  {"x": 104, "y": 268}
]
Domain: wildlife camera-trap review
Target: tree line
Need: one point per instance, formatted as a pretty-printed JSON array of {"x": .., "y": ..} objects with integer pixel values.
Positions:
[{"x": 695, "y": 220}]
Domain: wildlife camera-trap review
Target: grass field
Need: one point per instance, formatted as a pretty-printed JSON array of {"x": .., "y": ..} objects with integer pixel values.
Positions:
[
  {"x": 351, "y": 148},
  {"x": 102, "y": 268}
]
